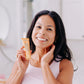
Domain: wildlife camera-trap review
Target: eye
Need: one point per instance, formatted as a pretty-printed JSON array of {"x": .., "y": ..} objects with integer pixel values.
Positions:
[
  {"x": 38, "y": 26},
  {"x": 49, "y": 29}
]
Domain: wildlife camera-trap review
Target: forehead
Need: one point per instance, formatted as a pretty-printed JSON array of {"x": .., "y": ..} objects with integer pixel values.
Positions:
[{"x": 45, "y": 20}]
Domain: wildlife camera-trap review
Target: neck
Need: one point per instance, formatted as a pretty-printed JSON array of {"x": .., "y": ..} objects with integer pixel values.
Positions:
[{"x": 39, "y": 53}]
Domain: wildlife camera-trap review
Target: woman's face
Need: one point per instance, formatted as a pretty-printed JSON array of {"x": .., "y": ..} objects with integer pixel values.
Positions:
[{"x": 43, "y": 34}]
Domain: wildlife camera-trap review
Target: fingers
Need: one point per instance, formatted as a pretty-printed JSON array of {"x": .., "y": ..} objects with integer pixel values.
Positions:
[
  {"x": 21, "y": 58},
  {"x": 21, "y": 53},
  {"x": 52, "y": 48},
  {"x": 19, "y": 61},
  {"x": 22, "y": 47}
]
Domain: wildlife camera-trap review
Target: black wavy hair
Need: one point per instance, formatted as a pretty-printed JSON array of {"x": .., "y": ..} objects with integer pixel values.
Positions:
[{"x": 62, "y": 50}]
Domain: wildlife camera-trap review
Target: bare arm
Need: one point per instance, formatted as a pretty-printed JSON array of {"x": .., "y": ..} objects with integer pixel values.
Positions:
[
  {"x": 19, "y": 68},
  {"x": 66, "y": 70},
  {"x": 16, "y": 76},
  {"x": 65, "y": 76}
]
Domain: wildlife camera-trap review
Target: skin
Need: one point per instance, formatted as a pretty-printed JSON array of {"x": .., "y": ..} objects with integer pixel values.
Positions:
[
  {"x": 43, "y": 29},
  {"x": 43, "y": 36}
]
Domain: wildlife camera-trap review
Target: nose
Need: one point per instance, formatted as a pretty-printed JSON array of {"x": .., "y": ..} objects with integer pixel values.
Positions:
[{"x": 42, "y": 32}]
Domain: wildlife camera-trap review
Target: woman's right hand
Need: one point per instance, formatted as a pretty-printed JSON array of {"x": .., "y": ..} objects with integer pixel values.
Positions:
[
  {"x": 19, "y": 68},
  {"x": 22, "y": 62}
]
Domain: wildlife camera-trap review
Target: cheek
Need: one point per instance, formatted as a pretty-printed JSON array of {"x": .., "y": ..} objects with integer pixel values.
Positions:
[
  {"x": 51, "y": 40},
  {"x": 34, "y": 31},
  {"x": 52, "y": 36},
  {"x": 34, "y": 34}
]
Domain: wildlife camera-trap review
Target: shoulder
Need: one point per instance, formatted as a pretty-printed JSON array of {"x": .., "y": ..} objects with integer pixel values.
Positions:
[
  {"x": 66, "y": 71},
  {"x": 66, "y": 64}
]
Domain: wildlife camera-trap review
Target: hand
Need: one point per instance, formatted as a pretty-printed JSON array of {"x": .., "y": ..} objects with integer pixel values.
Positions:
[
  {"x": 48, "y": 56},
  {"x": 22, "y": 62}
]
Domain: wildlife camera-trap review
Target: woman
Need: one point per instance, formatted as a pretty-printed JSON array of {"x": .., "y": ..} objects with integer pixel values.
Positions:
[{"x": 50, "y": 61}]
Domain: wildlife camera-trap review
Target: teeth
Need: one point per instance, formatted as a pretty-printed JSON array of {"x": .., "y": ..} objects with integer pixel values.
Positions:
[{"x": 41, "y": 39}]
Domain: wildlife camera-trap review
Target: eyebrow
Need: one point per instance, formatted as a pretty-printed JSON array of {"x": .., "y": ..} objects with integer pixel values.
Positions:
[
  {"x": 39, "y": 23},
  {"x": 47, "y": 25},
  {"x": 50, "y": 26}
]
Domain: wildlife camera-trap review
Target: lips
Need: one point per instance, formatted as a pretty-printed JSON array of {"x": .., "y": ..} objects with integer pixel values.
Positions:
[{"x": 42, "y": 39}]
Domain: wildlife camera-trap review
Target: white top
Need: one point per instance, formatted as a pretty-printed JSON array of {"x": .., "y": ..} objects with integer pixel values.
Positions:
[{"x": 34, "y": 74}]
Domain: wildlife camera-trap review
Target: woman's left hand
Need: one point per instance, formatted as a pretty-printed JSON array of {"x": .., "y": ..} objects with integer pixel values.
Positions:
[{"x": 46, "y": 59}]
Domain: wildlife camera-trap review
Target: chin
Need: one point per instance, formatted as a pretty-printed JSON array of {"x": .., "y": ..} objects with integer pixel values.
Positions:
[{"x": 43, "y": 46}]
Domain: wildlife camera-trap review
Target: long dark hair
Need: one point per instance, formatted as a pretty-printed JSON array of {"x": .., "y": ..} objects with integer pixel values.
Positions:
[{"x": 62, "y": 50}]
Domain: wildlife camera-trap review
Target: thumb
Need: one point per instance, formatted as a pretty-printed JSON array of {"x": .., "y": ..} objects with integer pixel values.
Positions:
[{"x": 51, "y": 50}]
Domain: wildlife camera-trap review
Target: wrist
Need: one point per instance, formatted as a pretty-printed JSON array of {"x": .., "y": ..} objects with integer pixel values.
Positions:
[
  {"x": 44, "y": 64},
  {"x": 21, "y": 73},
  {"x": 19, "y": 76}
]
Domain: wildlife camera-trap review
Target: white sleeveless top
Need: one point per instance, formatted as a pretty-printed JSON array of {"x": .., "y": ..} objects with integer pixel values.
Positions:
[{"x": 34, "y": 74}]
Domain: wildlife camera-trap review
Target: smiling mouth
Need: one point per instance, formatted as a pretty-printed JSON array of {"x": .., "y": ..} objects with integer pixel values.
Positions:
[{"x": 41, "y": 39}]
